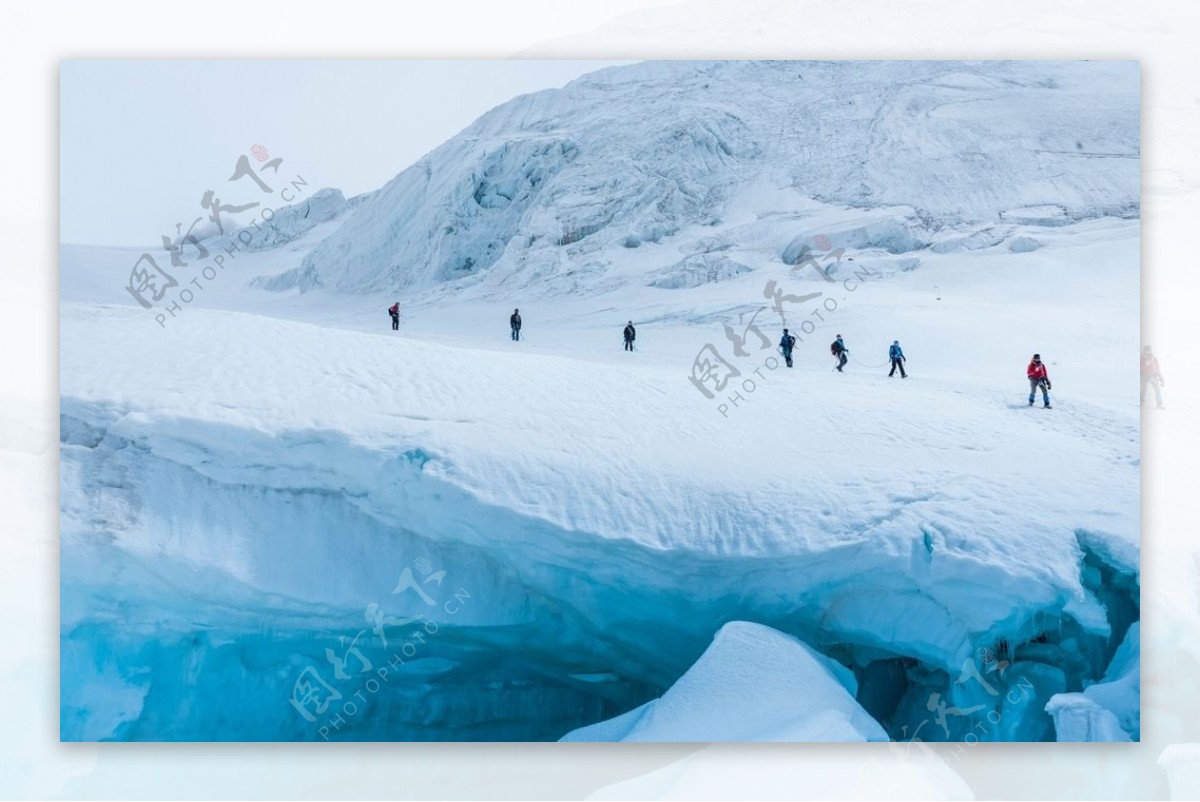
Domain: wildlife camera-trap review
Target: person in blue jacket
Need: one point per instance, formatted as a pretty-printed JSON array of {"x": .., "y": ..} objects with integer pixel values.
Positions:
[{"x": 896, "y": 354}]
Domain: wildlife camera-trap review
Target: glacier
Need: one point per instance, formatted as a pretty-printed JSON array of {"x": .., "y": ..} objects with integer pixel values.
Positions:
[{"x": 282, "y": 521}]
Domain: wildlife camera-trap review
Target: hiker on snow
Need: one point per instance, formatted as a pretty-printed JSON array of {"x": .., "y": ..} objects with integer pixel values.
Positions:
[
  {"x": 786, "y": 345},
  {"x": 1038, "y": 378},
  {"x": 515, "y": 323},
  {"x": 839, "y": 349},
  {"x": 394, "y": 311},
  {"x": 630, "y": 335},
  {"x": 1151, "y": 376},
  {"x": 897, "y": 356}
]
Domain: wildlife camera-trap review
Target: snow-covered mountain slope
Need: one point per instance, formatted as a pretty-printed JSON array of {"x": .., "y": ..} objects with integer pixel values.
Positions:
[
  {"x": 634, "y": 154},
  {"x": 245, "y": 477}
]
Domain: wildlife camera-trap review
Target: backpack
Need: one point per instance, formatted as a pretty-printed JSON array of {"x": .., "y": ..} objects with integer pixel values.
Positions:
[{"x": 833, "y": 348}]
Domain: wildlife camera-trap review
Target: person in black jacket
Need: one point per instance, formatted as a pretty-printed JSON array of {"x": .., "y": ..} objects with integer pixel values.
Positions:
[
  {"x": 839, "y": 350},
  {"x": 515, "y": 323},
  {"x": 630, "y": 335},
  {"x": 786, "y": 345}
]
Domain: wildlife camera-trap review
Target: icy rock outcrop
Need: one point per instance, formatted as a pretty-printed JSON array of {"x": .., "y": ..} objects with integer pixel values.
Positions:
[
  {"x": 975, "y": 240},
  {"x": 707, "y": 268},
  {"x": 1050, "y": 214},
  {"x": 1110, "y": 710},
  {"x": 292, "y": 222},
  {"x": 891, "y": 233},
  {"x": 752, "y": 684},
  {"x": 1078, "y": 718}
]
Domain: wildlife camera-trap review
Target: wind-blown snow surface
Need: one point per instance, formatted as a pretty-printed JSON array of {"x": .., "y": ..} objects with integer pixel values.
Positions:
[{"x": 240, "y": 485}]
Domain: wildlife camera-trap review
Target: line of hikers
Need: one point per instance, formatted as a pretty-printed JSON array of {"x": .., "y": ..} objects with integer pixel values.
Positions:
[
  {"x": 514, "y": 324},
  {"x": 839, "y": 351},
  {"x": 1039, "y": 378}
]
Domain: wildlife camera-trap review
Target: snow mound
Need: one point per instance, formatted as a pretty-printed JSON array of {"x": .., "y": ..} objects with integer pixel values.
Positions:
[
  {"x": 752, "y": 684},
  {"x": 1023, "y": 244}
]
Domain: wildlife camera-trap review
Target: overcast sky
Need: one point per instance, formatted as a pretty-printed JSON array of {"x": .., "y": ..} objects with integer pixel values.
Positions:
[{"x": 141, "y": 141}]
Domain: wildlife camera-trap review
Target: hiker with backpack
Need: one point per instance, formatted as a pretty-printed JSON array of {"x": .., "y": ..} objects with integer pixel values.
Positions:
[
  {"x": 515, "y": 322},
  {"x": 786, "y": 345},
  {"x": 896, "y": 355},
  {"x": 839, "y": 350},
  {"x": 1151, "y": 375},
  {"x": 630, "y": 335},
  {"x": 1038, "y": 378},
  {"x": 394, "y": 311}
]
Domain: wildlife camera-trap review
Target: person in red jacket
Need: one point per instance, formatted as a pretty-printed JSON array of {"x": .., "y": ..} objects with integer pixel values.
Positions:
[
  {"x": 1038, "y": 378},
  {"x": 1151, "y": 376},
  {"x": 394, "y": 311}
]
